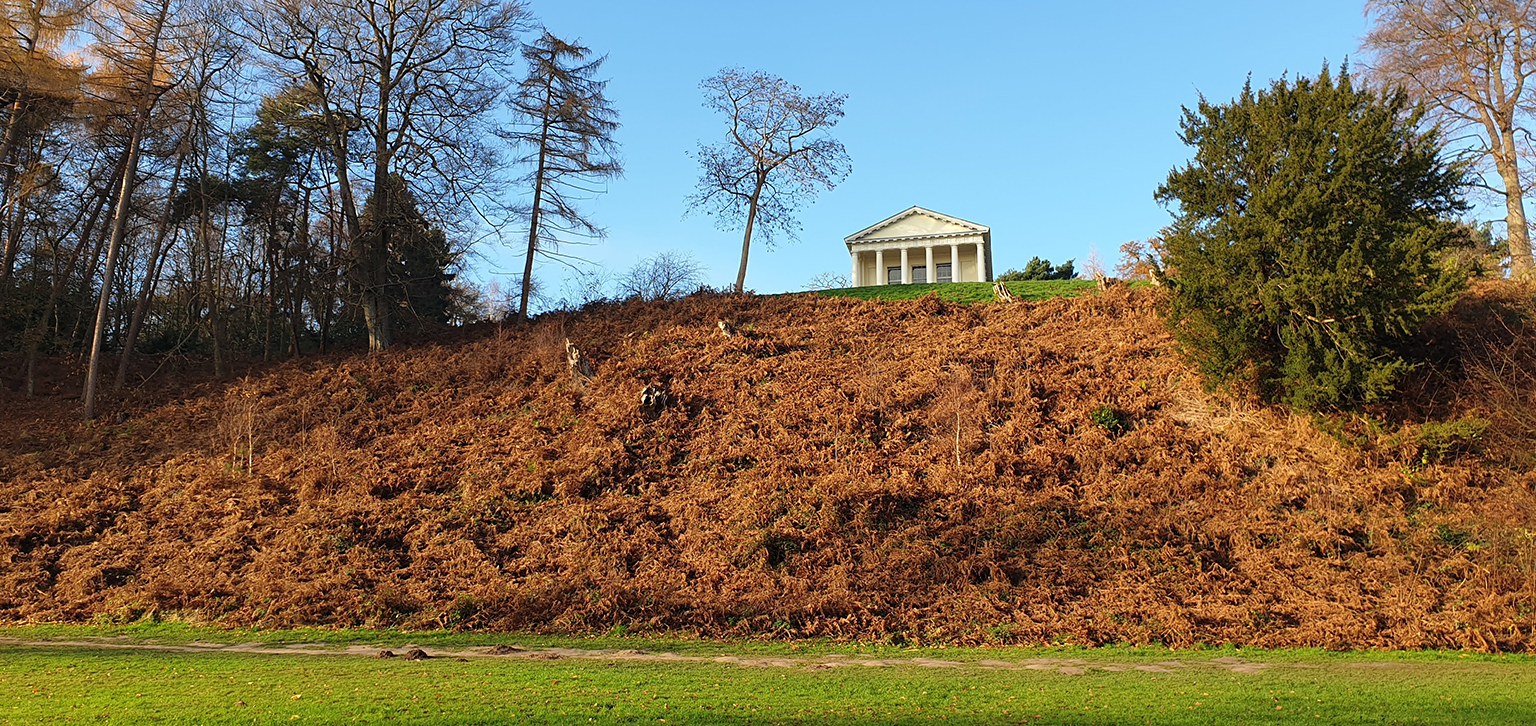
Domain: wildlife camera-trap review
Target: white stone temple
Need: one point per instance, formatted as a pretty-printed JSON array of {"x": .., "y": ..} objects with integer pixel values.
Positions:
[{"x": 921, "y": 245}]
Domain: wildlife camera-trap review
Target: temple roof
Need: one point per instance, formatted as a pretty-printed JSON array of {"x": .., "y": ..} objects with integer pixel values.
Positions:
[{"x": 917, "y": 223}]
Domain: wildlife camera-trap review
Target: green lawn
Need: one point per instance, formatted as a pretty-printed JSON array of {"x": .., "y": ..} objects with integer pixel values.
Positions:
[
  {"x": 967, "y": 292},
  {"x": 47, "y": 681}
]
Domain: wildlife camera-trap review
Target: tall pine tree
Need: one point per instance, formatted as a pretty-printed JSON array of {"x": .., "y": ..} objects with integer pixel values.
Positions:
[{"x": 565, "y": 126}]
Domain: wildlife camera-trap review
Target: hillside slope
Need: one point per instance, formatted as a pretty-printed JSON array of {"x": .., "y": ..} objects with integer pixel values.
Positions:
[{"x": 907, "y": 470}]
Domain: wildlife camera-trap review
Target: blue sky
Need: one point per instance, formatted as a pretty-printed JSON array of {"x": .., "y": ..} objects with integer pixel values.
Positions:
[{"x": 1053, "y": 123}]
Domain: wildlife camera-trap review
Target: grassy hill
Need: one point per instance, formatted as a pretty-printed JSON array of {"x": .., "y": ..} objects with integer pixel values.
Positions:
[
  {"x": 967, "y": 292},
  {"x": 912, "y": 471}
]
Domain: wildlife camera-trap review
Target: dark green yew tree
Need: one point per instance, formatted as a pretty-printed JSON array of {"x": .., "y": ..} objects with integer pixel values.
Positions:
[
  {"x": 1305, "y": 247},
  {"x": 420, "y": 260}
]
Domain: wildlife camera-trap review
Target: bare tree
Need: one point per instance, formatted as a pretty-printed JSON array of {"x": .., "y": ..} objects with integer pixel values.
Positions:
[
  {"x": 777, "y": 157},
  {"x": 133, "y": 41},
  {"x": 663, "y": 276},
  {"x": 208, "y": 53},
  {"x": 1472, "y": 62},
  {"x": 419, "y": 79},
  {"x": 32, "y": 69},
  {"x": 828, "y": 281},
  {"x": 566, "y": 125},
  {"x": 584, "y": 286}
]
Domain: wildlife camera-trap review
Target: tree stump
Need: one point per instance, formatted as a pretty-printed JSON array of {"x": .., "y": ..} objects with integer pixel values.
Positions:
[
  {"x": 653, "y": 400},
  {"x": 576, "y": 361}
]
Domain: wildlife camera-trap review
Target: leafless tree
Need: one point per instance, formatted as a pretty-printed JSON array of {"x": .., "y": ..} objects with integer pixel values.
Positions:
[
  {"x": 32, "y": 69},
  {"x": 134, "y": 41},
  {"x": 663, "y": 276},
  {"x": 828, "y": 281},
  {"x": 419, "y": 79},
  {"x": 584, "y": 286},
  {"x": 566, "y": 126},
  {"x": 1093, "y": 267},
  {"x": 1472, "y": 62},
  {"x": 776, "y": 158},
  {"x": 209, "y": 54}
]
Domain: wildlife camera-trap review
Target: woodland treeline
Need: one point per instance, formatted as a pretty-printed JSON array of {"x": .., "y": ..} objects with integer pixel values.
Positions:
[{"x": 269, "y": 178}]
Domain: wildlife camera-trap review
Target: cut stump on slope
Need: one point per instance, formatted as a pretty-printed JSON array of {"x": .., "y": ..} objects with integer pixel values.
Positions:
[{"x": 580, "y": 367}]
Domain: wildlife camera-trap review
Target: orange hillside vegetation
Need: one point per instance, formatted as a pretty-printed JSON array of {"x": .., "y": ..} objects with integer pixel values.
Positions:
[{"x": 915, "y": 471}]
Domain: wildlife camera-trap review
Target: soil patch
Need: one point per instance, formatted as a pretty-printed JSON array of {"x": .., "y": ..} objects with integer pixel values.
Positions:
[{"x": 1067, "y": 666}]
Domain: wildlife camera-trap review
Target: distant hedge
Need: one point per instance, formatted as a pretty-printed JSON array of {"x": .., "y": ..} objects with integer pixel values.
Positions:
[{"x": 966, "y": 292}]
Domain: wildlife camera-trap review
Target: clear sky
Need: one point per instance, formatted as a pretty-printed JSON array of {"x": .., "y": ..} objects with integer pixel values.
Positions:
[{"x": 1052, "y": 123}]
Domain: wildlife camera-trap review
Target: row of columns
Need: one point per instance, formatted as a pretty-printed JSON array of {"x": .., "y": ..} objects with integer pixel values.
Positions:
[{"x": 906, "y": 268}]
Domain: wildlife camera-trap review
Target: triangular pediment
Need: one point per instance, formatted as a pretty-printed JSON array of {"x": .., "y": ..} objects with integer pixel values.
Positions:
[{"x": 917, "y": 222}]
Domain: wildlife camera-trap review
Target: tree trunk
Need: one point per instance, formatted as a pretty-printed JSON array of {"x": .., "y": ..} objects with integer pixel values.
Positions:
[
  {"x": 746, "y": 239},
  {"x": 328, "y": 295},
  {"x": 17, "y": 207},
  {"x": 337, "y": 136},
  {"x": 375, "y": 300},
  {"x": 12, "y": 130},
  {"x": 298, "y": 290},
  {"x": 151, "y": 277},
  {"x": 56, "y": 291},
  {"x": 272, "y": 259},
  {"x": 533, "y": 221},
  {"x": 1520, "y": 262},
  {"x": 210, "y": 283},
  {"x": 97, "y": 248},
  {"x": 119, "y": 230}
]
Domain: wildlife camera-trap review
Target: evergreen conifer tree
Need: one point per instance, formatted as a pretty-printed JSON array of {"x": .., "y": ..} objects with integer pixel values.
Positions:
[
  {"x": 1307, "y": 239},
  {"x": 419, "y": 258},
  {"x": 1038, "y": 269},
  {"x": 565, "y": 126}
]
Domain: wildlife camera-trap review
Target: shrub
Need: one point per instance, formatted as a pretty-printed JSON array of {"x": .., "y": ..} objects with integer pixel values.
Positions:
[
  {"x": 1038, "y": 269},
  {"x": 1108, "y": 419},
  {"x": 1438, "y": 441},
  {"x": 663, "y": 276},
  {"x": 1307, "y": 239}
]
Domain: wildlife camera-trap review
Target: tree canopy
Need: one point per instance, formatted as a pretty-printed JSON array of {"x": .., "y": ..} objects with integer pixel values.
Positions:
[
  {"x": 777, "y": 155},
  {"x": 1306, "y": 239},
  {"x": 564, "y": 127},
  {"x": 1471, "y": 63},
  {"x": 419, "y": 258}
]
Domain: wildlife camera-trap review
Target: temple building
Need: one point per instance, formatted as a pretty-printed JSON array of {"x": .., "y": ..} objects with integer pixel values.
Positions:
[{"x": 921, "y": 245}]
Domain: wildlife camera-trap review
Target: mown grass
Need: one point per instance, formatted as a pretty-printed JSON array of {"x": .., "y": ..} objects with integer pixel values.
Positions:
[
  {"x": 966, "y": 292},
  {"x": 48, "y": 683}
]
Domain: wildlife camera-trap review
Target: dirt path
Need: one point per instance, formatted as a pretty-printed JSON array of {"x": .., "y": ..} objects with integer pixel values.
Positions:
[{"x": 1066, "y": 666}]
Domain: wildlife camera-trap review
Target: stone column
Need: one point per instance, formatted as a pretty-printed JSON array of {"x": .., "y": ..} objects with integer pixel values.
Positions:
[
  {"x": 954, "y": 264},
  {"x": 853, "y": 279},
  {"x": 981, "y": 261},
  {"x": 879, "y": 267},
  {"x": 906, "y": 272},
  {"x": 933, "y": 274}
]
